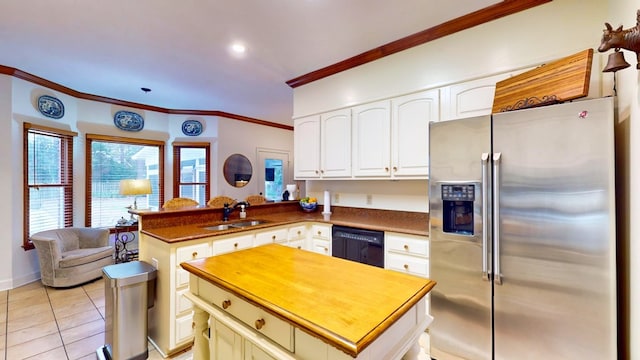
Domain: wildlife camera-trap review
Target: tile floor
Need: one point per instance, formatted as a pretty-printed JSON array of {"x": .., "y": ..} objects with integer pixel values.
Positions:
[{"x": 39, "y": 322}]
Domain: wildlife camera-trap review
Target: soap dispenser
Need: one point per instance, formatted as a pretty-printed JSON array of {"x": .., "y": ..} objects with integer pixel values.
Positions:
[{"x": 243, "y": 214}]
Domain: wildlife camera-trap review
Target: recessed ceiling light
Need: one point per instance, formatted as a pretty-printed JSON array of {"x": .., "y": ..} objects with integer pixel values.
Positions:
[{"x": 238, "y": 48}]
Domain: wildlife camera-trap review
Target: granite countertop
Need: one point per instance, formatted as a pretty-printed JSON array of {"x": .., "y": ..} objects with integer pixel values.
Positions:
[{"x": 176, "y": 226}]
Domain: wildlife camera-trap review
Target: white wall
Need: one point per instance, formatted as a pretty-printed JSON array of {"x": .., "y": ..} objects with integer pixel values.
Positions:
[
  {"x": 545, "y": 33},
  {"x": 623, "y": 12},
  {"x": 240, "y": 137},
  {"x": 17, "y": 105}
]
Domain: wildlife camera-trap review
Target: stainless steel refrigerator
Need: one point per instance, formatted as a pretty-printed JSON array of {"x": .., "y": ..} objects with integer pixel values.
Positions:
[{"x": 522, "y": 230}]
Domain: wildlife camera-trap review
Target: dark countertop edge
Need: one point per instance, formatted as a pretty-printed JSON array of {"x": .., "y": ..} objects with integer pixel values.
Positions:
[{"x": 381, "y": 220}]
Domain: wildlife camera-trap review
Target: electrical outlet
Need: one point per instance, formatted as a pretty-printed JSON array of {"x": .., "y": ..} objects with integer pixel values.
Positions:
[
  {"x": 154, "y": 263},
  {"x": 369, "y": 199},
  {"x": 336, "y": 198}
]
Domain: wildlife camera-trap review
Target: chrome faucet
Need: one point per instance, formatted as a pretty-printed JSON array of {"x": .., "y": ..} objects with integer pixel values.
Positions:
[{"x": 228, "y": 209}]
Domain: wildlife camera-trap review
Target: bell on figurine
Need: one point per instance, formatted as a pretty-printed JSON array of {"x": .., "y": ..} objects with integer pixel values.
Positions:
[{"x": 616, "y": 62}]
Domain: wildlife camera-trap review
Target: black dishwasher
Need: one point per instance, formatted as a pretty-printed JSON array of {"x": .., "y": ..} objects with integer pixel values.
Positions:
[{"x": 363, "y": 246}]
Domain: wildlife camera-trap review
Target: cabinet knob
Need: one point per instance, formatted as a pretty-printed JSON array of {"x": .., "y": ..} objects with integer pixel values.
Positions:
[
  {"x": 193, "y": 325},
  {"x": 317, "y": 172},
  {"x": 259, "y": 324},
  {"x": 406, "y": 266},
  {"x": 235, "y": 245},
  {"x": 395, "y": 168},
  {"x": 319, "y": 233},
  {"x": 299, "y": 247},
  {"x": 406, "y": 247},
  {"x": 194, "y": 254},
  {"x": 226, "y": 304},
  {"x": 326, "y": 249},
  {"x": 321, "y": 171},
  {"x": 386, "y": 169},
  {"x": 273, "y": 238},
  {"x": 299, "y": 232}
]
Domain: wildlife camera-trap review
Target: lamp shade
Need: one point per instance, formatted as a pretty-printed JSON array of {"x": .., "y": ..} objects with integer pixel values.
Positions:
[{"x": 135, "y": 187}]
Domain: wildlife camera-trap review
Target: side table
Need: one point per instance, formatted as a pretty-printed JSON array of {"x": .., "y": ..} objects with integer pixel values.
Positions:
[{"x": 124, "y": 234}]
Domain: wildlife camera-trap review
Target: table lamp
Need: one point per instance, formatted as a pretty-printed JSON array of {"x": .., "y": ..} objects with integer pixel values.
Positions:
[{"x": 135, "y": 187}]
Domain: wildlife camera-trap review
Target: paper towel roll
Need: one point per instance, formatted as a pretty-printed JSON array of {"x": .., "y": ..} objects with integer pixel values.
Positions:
[{"x": 327, "y": 202}]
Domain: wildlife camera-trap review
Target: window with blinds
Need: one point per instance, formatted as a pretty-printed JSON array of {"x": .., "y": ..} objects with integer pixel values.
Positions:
[
  {"x": 191, "y": 164},
  {"x": 48, "y": 179},
  {"x": 112, "y": 159}
]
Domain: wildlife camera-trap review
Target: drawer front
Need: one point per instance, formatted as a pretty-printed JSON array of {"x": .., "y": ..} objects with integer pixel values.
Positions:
[
  {"x": 253, "y": 316},
  {"x": 269, "y": 237},
  {"x": 184, "y": 328},
  {"x": 408, "y": 264},
  {"x": 321, "y": 232},
  {"x": 182, "y": 277},
  {"x": 322, "y": 246},
  {"x": 297, "y": 232},
  {"x": 298, "y": 244},
  {"x": 233, "y": 244},
  {"x": 408, "y": 245},
  {"x": 192, "y": 252},
  {"x": 183, "y": 304}
]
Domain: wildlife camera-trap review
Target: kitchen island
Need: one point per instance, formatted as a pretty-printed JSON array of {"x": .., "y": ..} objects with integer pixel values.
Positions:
[{"x": 277, "y": 302}]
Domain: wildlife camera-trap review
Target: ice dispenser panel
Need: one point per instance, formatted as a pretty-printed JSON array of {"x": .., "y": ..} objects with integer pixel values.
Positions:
[{"x": 457, "y": 206}]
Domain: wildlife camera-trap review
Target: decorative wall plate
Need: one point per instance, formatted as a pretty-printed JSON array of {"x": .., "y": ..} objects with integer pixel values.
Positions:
[
  {"x": 50, "y": 107},
  {"x": 192, "y": 127},
  {"x": 128, "y": 121}
]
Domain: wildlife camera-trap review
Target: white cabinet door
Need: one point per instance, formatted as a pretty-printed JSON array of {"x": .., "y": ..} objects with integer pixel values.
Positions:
[
  {"x": 306, "y": 144},
  {"x": 335, "y": 144},
  {"x": 253, "y": 352},
  {"x": 224, "y": 343},
  {"x": 410, "y": 132},
  {"x": 372, "y": 139},
  {"x": 471, "y": 98}
]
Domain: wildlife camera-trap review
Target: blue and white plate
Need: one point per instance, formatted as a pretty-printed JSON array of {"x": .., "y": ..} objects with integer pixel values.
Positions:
[
  {"x": 192, "y": 127},
  {"x": 50, "y": 107},
  {"x": 128, "y": 121}
]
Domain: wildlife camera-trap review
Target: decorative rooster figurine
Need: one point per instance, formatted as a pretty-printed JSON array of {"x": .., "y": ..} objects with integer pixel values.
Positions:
[{"x": 628, "y": 39}]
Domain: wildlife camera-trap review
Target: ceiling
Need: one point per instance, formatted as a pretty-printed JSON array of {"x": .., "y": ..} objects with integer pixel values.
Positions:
[{"x": 181, "y": 52}]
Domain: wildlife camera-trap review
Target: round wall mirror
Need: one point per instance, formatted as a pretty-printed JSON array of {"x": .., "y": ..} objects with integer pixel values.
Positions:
[{"x": 237, "y": 170}]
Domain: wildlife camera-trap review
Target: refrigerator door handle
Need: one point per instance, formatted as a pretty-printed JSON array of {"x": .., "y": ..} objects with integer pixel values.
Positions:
[
  {"x": 497, "y": 275},
  {"x": 485, "y": 216}
]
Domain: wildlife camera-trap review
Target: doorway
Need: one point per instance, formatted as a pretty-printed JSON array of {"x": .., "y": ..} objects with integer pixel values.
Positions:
[{"x": 273, "y": 173}]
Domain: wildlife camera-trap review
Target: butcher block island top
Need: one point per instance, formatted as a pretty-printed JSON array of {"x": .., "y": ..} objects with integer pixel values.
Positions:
[{"x": 343, "y": 303}]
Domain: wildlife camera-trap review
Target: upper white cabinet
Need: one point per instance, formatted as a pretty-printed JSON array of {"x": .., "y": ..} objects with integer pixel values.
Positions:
[
  {"x": 306, "y": 147},
  {"x": 410, "y": 118},
  {"x": 372, "y": 139},
  {"x": 471, "y": 98},
  {"x": 322, "y": 145},
  {"x": 335, "y": 144},
  {"x": 391, "y": 137}
]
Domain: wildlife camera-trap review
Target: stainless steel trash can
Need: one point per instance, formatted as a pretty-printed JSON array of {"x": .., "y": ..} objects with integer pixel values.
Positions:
[{"x": 129, "y": 292}]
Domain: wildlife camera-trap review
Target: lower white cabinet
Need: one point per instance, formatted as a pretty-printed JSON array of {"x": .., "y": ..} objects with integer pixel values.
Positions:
[
  {"x": 321, "y": 238},
  {"x": 233, "y": 243},
  {"x": 407, "y": 253},
  {"x": 224, "y": 343}
]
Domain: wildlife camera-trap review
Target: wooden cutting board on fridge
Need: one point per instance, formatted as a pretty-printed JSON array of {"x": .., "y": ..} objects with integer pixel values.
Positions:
[{"x": 555, "y": 82}]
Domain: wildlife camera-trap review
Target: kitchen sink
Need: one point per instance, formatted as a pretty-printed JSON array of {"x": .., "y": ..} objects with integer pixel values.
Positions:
[
  {"x": 248, "y": 223},
  {"x": 234, "y": 225},
  {"x": 217, "y": 227}
]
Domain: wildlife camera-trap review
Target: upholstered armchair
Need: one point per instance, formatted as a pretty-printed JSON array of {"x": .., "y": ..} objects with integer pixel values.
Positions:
[{"x": 72, "y": 256}]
